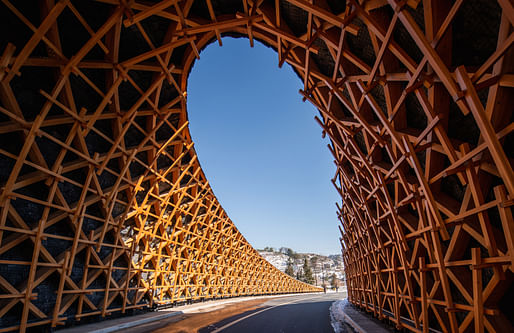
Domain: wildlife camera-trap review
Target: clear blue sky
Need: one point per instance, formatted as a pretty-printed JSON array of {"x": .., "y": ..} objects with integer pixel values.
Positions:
[{"x": 261, "y": 149}]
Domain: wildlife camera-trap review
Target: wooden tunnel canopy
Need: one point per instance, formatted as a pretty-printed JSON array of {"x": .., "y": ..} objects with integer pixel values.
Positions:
[{"x": 105, "y": 208}]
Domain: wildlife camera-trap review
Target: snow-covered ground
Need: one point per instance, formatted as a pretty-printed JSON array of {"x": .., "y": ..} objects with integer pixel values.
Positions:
[
  {"x": 279, "y": 260},
  {"x": 322, "y": 266},
  {"x": 337, "y": 317}
]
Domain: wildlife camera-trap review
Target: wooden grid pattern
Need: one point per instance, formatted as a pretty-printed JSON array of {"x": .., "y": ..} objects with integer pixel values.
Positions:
[{"x": 105, "y": 208}]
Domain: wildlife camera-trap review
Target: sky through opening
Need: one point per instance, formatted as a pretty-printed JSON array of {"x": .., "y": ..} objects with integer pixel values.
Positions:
[{"x": 261, "y": 149}]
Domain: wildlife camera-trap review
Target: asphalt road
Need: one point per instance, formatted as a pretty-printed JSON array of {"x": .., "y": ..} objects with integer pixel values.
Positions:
[{"x": 298, "y": 314}]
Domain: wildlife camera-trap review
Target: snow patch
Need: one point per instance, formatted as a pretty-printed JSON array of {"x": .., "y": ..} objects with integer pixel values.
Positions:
[{"x": 337, "y": 316}]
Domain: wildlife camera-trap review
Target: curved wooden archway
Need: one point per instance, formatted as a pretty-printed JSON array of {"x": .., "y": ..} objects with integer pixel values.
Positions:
[{"x": 105, "y": 208}]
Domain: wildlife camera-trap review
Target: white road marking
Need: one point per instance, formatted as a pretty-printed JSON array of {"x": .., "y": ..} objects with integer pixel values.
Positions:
[{"x": 256, "y": 313}]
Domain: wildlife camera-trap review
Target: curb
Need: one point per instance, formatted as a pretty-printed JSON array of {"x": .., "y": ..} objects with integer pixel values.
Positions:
[
  {"x": 120, "y": 326},
  {"x": 353, "y": 323},
  {"x": 360, "y": 322}
]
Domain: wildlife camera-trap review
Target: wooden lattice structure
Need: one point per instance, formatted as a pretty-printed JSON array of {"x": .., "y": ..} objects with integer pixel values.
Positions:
[{"x": 105, "y": 208}]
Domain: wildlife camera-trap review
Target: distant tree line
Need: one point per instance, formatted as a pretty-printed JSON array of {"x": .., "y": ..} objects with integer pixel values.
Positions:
[
  {"x": 284, "y": 250},
  {"x": 304, "y": 273}
]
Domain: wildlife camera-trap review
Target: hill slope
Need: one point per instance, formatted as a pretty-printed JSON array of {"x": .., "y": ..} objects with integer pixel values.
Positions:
[{"x": 323, "y": 267}]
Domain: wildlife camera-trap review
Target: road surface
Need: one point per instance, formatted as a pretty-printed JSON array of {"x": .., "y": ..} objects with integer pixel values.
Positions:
[
  {"x": 299, "y": 314},
  {"x": 307, "y": 313}
]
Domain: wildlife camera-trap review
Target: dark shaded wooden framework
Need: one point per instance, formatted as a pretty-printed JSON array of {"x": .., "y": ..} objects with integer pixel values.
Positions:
[{"x": 105, "y": 208}]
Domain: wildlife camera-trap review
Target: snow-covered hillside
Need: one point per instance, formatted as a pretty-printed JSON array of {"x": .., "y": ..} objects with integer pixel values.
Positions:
[{"x": 323, "y": 267}]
